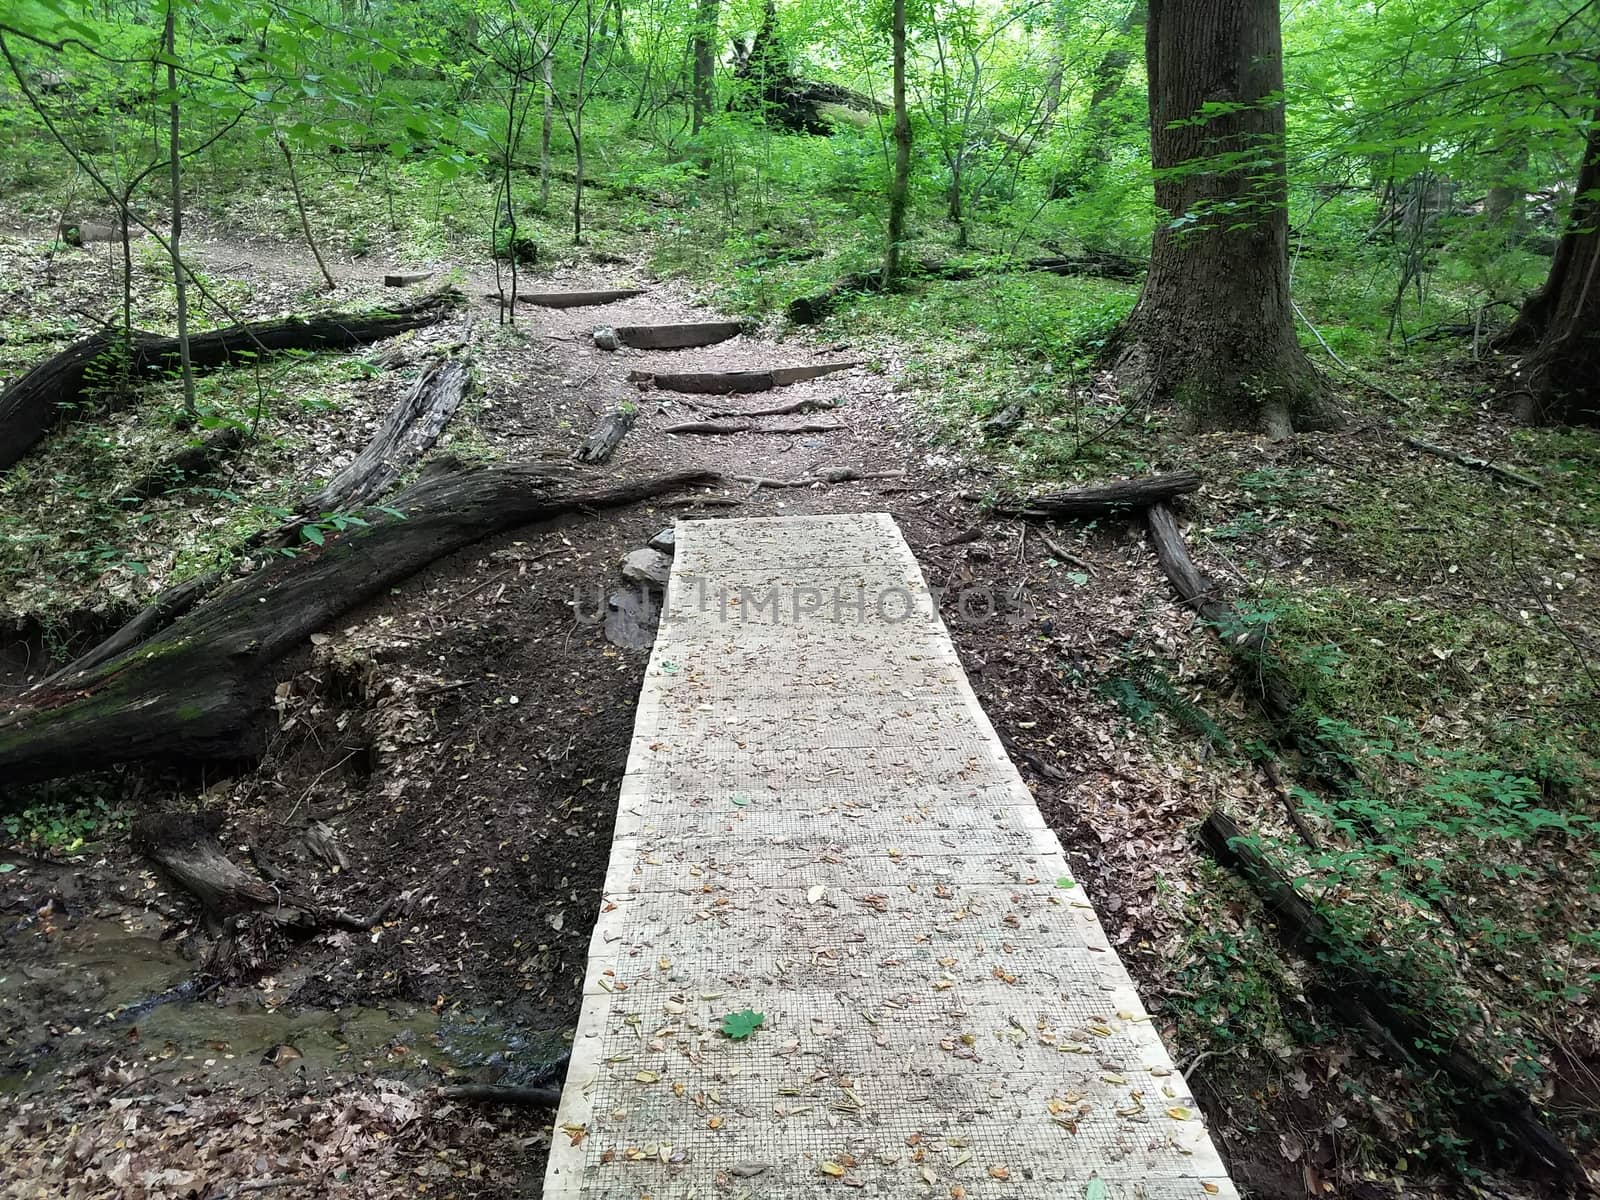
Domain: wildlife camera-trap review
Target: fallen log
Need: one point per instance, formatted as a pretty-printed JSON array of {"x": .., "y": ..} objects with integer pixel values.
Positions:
[
  {"x": 605, "y": 437},
  {"x": 196, "y": 688},
  {"x": 1375, "y": 996},
  {"x": 185, "y": 846},
  {"x": 728, "y": 383},
  {"x": 571, "y": 299},
  {"x": 406, "y": 278},
  {"x": 1100, "y": 499},
  {"x": 193, "y": 462},
  {"x": 166, "y": 608},
  {"x": 1475, "y": 463},
  {"x": 61, "y": 386},
  {"x": 714, "y": 428},
  {"x": 494, "y": 1093},
  {"x": 409, "y": 431},
  {"x": 668, "y": 337}
]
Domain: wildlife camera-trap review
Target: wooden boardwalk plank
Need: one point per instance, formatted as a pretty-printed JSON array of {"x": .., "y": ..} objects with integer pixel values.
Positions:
[{"x": 819, "y": 824}]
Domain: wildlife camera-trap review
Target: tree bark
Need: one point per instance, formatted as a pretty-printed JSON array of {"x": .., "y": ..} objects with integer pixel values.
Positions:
[
  {"x": 707, "y": 16},
  {"x": 409, "y": 430},
  {"x": 1558, "y": 380},
  {"x": 900, "y": 185},
  {"x": 1214, "y": 328},
  {"x": 604, "y": 439},
  {"x": 62, "y": 386},
  {"x": 180, "y": 279},
  {"x": 196, "y": 688}
]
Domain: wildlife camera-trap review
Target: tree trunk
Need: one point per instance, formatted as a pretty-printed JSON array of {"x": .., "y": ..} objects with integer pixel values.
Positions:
[
  {"x": 707, "y": 16},
  {"x": 196, "y": 688},
  {"x": 1558, "y": 381},
  {"x": 900, "y": 186},
  {"x": 1214, "y": 328},
  {"x": 547, "y": 82},
  {"x": 1090, "y": 148},
  {"x": 180, "y": 280},
  {"x": 61, "y": 387}
]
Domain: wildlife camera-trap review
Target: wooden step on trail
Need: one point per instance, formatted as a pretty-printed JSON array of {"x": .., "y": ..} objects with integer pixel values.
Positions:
[
  {"x": 839, "y": 952},
  {"x": 667, "y": 337},
  {"x": 570, "y": 299},
  {"x": 729, "y": 383}
]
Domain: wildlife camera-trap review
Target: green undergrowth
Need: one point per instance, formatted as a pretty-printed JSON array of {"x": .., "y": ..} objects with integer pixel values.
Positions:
[{"x": 73, "y": 541}]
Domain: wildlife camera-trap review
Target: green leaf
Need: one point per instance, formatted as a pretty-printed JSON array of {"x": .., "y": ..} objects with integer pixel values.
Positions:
[
  {"x": 740, "y": 1025},
  {"x": 311, "y": 534},
  {"x": 1066, "y": 881},
  {"x": 7, "y": 868}
]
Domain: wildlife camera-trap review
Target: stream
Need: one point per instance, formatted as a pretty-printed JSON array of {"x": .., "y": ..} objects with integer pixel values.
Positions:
[{"x": 80, "y": 979}]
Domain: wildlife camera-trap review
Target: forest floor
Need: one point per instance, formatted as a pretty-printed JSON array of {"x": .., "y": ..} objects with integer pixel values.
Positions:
[{"x": 465, "y": 735}]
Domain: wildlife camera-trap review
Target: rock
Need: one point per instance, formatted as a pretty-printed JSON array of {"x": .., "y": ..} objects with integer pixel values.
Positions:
[
  {"x": 605, "y": 337},
  {"x": 648, "y": 567},
  {"x": 666, "y": 541},
  {"x": 631, "y": 619}
]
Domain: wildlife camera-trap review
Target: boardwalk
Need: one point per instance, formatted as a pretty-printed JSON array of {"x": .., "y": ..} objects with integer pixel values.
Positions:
[{"x": 819, "y": 825}]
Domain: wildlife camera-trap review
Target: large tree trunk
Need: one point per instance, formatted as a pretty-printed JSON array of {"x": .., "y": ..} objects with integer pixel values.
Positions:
[
  {"x": 195, "y": 689},
  {"x": 1558, "y": 380},
  {"x": 60, "y": 388},
  {"x": 1214, "y": 327},
  {"x": 704, "y": 41}
]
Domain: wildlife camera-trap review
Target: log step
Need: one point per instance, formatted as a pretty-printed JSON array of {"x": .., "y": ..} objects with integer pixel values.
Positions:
[
  {"x": 728, "y": 383},
  {"x": 668, "y": 337},
  {"x": 571, "y": 299}
]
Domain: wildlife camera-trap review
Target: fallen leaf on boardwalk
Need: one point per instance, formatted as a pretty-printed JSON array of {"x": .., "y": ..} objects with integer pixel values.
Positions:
[
  {"x": 646, "y": 1077},
  {"x": 816, "y": 892},
  {"x": 999, "y": 1172},
  {"x": 740, "y": 1025},
  {"x": 832, "y": 1168},
  {"x": 576, "y": 1132},
  {"x": 748, "y": 1170},
  {"x": 1210, "y": 1187},
  {"x": 964, "y": 1157},
  {"x": 1179, "y": 1113}
]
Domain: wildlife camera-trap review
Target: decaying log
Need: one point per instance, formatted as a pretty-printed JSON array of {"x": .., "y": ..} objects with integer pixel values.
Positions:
[
  {"x": 63, "y": 385},
  {"x": 605, "y": 437},
  {"x": 1376, "y": 996},
  {"x": 493, "y": 1093},
  {"x": 574, "y": 299},
  {"x": 1101, "y": 263},
  {"x": 668, "y": 337},
  {"x": 822, "y": 475},
  {"x": 715, "y": 429},
  {"x": 196, "y": 689},
  {"x": 729, "y": 383},
  {"x": 191, "y": 463},
  {"x": 157, "y": 615},
  {"x": 1477, "y": 464},
  {"x": 1266, "y": 678},
  {"x": 185, "y": 846},
  {"x": 406, "y": 278},
  {"x": 409, "y": 431},
  {"x": 1101, "y": 499}
]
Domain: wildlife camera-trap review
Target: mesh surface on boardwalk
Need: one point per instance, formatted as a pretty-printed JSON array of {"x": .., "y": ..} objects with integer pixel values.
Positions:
[{"x": 819, "y": 825}]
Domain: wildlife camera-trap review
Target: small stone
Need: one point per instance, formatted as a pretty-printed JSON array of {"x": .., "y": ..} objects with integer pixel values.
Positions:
[
  {"x": 647, "y": 566},
  {"x": 605, "y": 337},
  {"x": 666, "y": 541}
]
